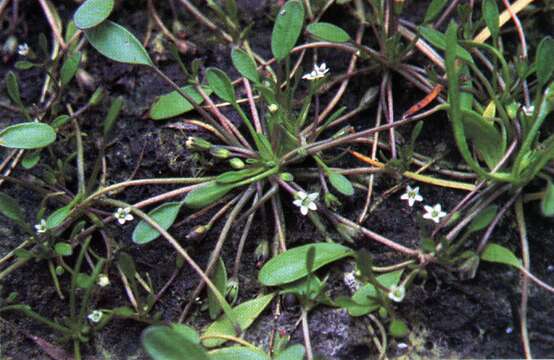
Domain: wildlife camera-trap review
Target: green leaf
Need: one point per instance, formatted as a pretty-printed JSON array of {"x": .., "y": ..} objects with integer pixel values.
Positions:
[
  {"x": 70, "y": 67},
  {"x": 206, "y": 194},
  {"x": 23, "y": 65},
  {"x": 23, "y": 254},
  {"x": 84, "y": 281},
  {"x": 112, "y": 115},
  {"x": 30, "y": 160},
  {"x": 173, "y": 104},
  {"x": 92, "y": 13},
  {"x": 238, "y": 352},
  {"x": 491, "y": 17},
  {"x": 293, "y": 352},
  {"x": 438, "y": 39},
  {"x": 547, "y": 202},
  {"x": 220, "y": 83},
  {"x": 483, "y": 220},
  {"x": 499, "y": 254},
  {"x": 245, "y": 65},
  {"x": 290, "y": 265},
  {"x": 230, "y": 177},
  {"x": 172, "y": 343},
  {"x": 341, "y": 183},
  {"x": 287, "y": 28},
  {"x": 543, "y": 60},
  {"x": 118, "y": 44},
  {"x": 30, "y": 135},
  {"x": 328, "y": 32},
  {"x": 57, "y": 217},
  {"x": 398, "y": 328},
  {"x": 12, "y": 86},
  {"x": 63, "y": 249},
  {"x": 219, "y": 278},
  {"x": 245, "y": 314},
  {"x": 164, "y": 215},
  {"x": 9, "y": 207},
  {"x": 60, "y": 121},
  {"x": 433, "y": 10}
]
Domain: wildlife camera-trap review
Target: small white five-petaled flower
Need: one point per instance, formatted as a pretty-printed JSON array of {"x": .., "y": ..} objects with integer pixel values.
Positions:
[
  {"x": 41, "y": 227},
  {"x": 103, "y": 280},
  {"x": 397, "y": 293},
  {"x": 123, "y": 215},
  {"x": 528, "y": 110},
  {"x": 434, "y": 213},
  {"x": 23, "y": 49},
  {"x": 306, "y": 202},
  {"x": 317, "y": 73},
  {"x": 95, "y": 316},
  {"x": 412, "y": 195}
]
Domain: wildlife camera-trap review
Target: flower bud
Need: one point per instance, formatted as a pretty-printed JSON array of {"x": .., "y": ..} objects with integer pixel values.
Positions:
[
  {"x": 219, "y": 152},
  {"x": 261, "y": 253},
  {"x": 198, "y": 233},
  {"x": 286, "y": 176},
  {"x": 198, "y": 144},
  {"x": 236, "y": 163},
  {"x": 96, "y": 97},
  {"x": 232, "y": 290},
  {"x": 273, "y": 108}
]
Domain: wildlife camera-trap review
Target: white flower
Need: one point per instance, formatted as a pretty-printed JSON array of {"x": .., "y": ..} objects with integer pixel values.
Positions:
[
  {"x": 528, "y": 110},
  {"x": 317, "y": 73},
  {"x": 397, "y": 293},
  {"x": 306, "y": 201},
  {"x": 41, "y": 227},
  {"x": 103, "y": 280},
  {"x": 412, "y": 195},
  {"x": 95, "y": 316},
  {"x": 23, "y": 49},
  {"x": 273, "y": 108},
  {"x": 123, "y": 215},
  {"x": 434, "y": 213}
]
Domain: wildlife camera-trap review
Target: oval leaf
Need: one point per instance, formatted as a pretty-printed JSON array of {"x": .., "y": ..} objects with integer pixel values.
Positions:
[
  {"x": 438, "y": 39},
  {"x": 287, "y": 28},
  {"x": 70, "y": 67},
  {"x": 238, "y": 352},
  {"x": 398, "y": 328},
  {"x": 291, "y": 265},
  {"x": 499, "y": 254},
  {"x": 92, "y": 13},
  {"x": 30, "y": 135},
  {"x": 57, "y": 217},
  {"x": 328, "y": 32},
  {"x": 171, "y": 343},
  {"x": 207, "y": 194},
  {"x": 63, "y": 249},
  {"x": 164, "y": 215},
  {"x": 9, "y": 207},
  {"x": 547, "y": 202},
  {"x": 543, "y": 60},
  {"x": 220, "y": 83},
  {"x": 434, "y": 9},
  {"x": 173, "y": 104},
  {"x": 30, "y": 160},
  {"x": 341, "y": 184},
  {"x": 245, "y": 65},
  {"x": 245, "y": 314},
  {"x": 219, "y": 278},
  {"x": 491, "y": 16},
  {"x": 117, "y": 43},
  {"x": 484, "y": 219},
  {"x": 294, "y": 352}
]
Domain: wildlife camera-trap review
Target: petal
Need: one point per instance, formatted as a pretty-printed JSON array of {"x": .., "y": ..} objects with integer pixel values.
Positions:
[
  {"x": 313, "y": 196},
  {"x": 442, "y": 214},
  {"x": 129, "y": 217},
  {"x": 121, "y": 221},
  {"x": 437, "y": 208},
  {"x": 428, "y": 208},
  {"x": 304, "y": 210},
  {"x": 297, "y": 202},
  {"x": 312, "y": 206},
  {"x": 301, "y": 195},
  {"x": 411, "y": 202},
  {"x": 435, "y": 219},
  {"x": 405, "y": 196},
  {"x": 418, "y": 198},
  {"x": 428, "y": 215}
]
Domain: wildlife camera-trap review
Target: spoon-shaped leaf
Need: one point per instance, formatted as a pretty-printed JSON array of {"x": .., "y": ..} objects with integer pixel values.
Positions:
[
  {"x": 9, "y": 207},
  {"x": 245, "y": 314},
  {"x": 173, "y": 104},
  {"x": 238, "y": 352},
  {"x": 291, "y": 265},
  {"x": 207, "y": 194},
  {"x": 294, "y": 352},
  {"x": 92, "y": 13},
  {"x": 499, "y": 254},
  {"x": 341, "y": 184},
  {"x": 328, "y": 32},
  {"x": 547, "y": 203},
  {"x": 220, "y": 83},
  {"x": 57, "y": 217},
  {"x": 245, "y": 65},
  {"x": 543, "y": 60},
  {"x": 164, "y": 215},
  {"x": 31, "y": 135},
  {"x": 117, "y": 43},
  {"x": 287, "y": 28},
  {"x": 172, "y": 343}
]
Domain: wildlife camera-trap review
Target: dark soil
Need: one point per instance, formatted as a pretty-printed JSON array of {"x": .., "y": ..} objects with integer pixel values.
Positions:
[{"x": 448, "y": 318}]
